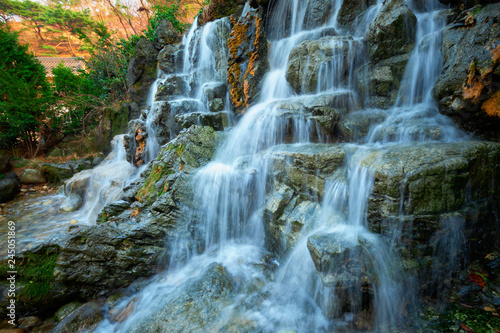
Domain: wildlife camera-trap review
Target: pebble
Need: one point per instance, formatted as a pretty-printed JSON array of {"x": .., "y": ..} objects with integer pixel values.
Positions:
[
  {"x": 45, "y": 188},
  {"x": 73, "y": 221},
  {"x": 48, "y": 202},
  {"x": 24, "y": 190},
  {"x": 32, "y": 189}
]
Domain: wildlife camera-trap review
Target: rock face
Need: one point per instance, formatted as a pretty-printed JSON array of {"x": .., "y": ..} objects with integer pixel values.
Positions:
[
  {"x": 311, "y": 63},
  {"x": 170, "y": 58},
  {"x": 116, "y": 119},
  {"x": 392, "y": 32},
  {"x": 351, "y": 9},
  {"x": 141, "y": 71},
  {"x": 9, "y": 187},
  {"x": 167, "y": 34},
  {"x": 468, "y": 87},
  {"x": 379, "y": 83},
  {"x": 202, "y": 301},
  {"x": 247, "y": 62},
  {"x": 130, "y": 240}
]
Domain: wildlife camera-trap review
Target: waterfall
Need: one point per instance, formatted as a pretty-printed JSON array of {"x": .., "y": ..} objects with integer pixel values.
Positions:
[{"x": 364, "y": 278}]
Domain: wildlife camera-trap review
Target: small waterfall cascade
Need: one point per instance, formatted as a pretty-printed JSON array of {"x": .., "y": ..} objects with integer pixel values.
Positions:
[{"x": 338, "y": 275}]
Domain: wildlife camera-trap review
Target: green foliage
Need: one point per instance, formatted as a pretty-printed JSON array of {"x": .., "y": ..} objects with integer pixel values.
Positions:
[
  {"x": 163, "y": 13},
  {"x": 25, "y": 95},
  {"x": 1, "y": 176},
  {"x": 49, "y": 47}
]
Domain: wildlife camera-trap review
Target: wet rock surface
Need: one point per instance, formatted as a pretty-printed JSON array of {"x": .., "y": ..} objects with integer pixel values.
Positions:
[
  {"x": 468, "y": 87},
  {"x": 392, "y": 32}
]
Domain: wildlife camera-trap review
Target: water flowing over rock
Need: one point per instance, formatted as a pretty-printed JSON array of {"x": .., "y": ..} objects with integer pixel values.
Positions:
[
  {"x": 313, "y": 63},
  {"x": 339, "y": 199},
  {"x": 467, "y": 89}
]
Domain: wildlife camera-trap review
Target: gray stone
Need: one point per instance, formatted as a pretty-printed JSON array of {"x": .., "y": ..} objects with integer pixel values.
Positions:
[
  {"x": 306, "y": 167},
  {"x": 141, "y": 71},
  {"x": 97, "y": 160},
  {"x": 71, "y": 203},
  {"x": 214, "y": 90},
  {"x": 174, "y": 86},
  {"x": 56, "y": 173},
  {"x": 356, "y": 126},
  {"x": 217, "y": 120},
  {"x": 65, "y": 310},
  {"x": 306, "y": 71},
  {"x": 170, "y": 58},
  {"x": 31, "y": 176},
  {"x": 392, "y": 32},
  {"x": 351, "y": 9},
  {"x": 112, "y": 209},
  {"x": 28, "y": 322},
  {"x": 167, "y": 34},
  {"x": 216, "y": 105},
  {"x": 466, "y": 89},
  {"x": 318, "y": 13},
  {"x": 431, "y": 178},
  {"x": 85, "y": 318},
  {"x": 195, "y": 307},
  {"x": 9, "y": 187},
  {"x": 380, "y": 83}
]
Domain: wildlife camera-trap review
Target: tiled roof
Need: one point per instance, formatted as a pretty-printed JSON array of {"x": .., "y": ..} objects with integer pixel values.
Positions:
[{"x": 50, "y": 62}]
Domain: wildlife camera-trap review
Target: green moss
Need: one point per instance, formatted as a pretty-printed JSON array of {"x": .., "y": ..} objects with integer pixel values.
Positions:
[
  {"x": 35, "y": 274},
  {"x": 148, "y": 190},
  {"x": 478, "y": 320}
]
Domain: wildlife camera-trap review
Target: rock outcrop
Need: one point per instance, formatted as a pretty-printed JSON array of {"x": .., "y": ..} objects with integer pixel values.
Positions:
[
  {"x": 141, "y": 71},
  {"x": 468, "y": 89},
  {"x": 247, "y": 62}
]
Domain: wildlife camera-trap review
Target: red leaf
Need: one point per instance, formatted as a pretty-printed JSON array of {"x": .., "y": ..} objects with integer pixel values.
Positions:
[
  {"x": 478, "y": 279},
  {"x": 466, "y": 329}
]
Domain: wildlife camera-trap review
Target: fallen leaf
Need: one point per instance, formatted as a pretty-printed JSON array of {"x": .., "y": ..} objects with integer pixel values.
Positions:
[{"x": 465, "y": 328}]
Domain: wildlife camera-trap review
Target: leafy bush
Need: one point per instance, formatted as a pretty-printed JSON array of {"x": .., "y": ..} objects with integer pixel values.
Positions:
[{"x": 25, "y": 94}]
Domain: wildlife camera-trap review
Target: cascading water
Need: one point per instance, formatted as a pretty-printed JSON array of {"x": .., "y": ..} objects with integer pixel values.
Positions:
[{"x": 362, "y": 282}]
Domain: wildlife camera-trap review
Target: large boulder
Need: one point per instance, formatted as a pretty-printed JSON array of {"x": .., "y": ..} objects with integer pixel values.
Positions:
[
  {"x": 318, "y": 13},
  {"x": 167, "y": 34},
  {"x": 248, "y": 61},
  {"x": 170, "y": 58},
  {"x": 322, "y": 64},
  {"x": 356, "y": 126},
  {"x": 347, "y": 270},
  {"x": 32, "y": 176},
  {"x": 468, "y": 87},
  {"x": 392, "y": 32},
  {"x": 380, "y": 82},
  {"x": 115, "y": 121},
  {"x": 193, "y": 307},
  {"x": 9, "y": 187},
  {"x": 141, "y": 71},
  {"x": 56, "y": 173},
  {"x": 173, "y": 86}
]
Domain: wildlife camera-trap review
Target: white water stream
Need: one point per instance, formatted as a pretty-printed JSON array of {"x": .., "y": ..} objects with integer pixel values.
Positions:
[{"x": 232, "y": 189}]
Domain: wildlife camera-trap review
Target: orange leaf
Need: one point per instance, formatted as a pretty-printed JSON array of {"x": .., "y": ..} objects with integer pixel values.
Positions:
[
  {"x": 477, "y": 279},
  {"x": 466, "y": 329}
]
